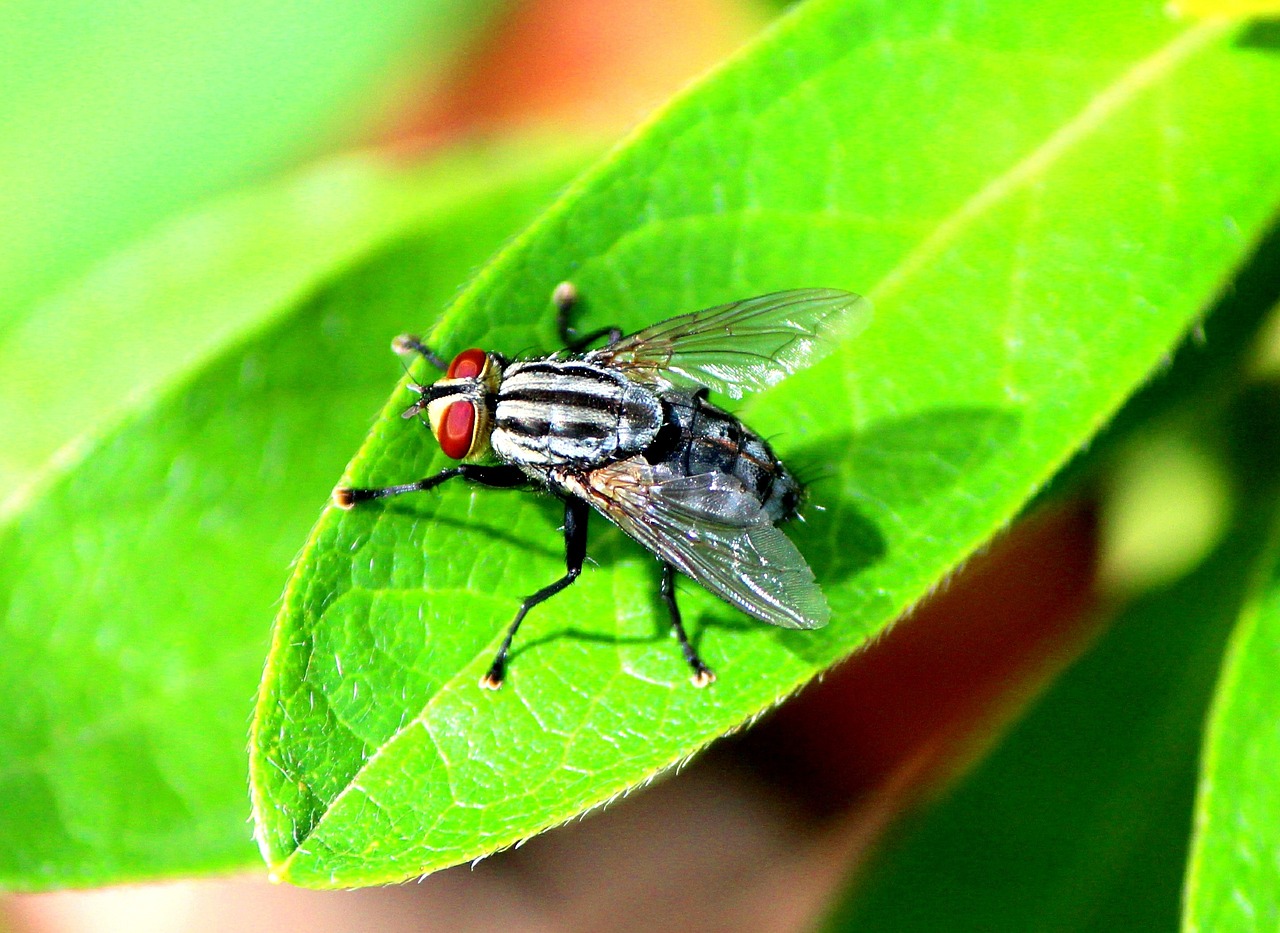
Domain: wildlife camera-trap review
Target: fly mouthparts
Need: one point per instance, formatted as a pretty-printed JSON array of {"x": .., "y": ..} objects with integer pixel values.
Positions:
[{"x": 412, "y": 410}]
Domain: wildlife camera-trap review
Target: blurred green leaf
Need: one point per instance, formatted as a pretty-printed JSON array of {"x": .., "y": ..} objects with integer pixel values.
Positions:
[
  {"x": 151, "y": 315},
  {"x": 117, "y": 115},
  {"x": 1037, "y": 230},
  {"x": 1233, "y": 881},
  {"x": 138, "y": 575},
  {"x": 1079, "y": 820}
]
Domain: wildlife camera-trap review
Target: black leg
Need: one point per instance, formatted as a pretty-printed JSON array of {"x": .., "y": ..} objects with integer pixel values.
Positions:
[
  {"x": 575, "y": 553},
  {"x": 499, "y": 477},
  {"x": 566, "y": 297},
  {"x": 408, "y": 343},
  {"x": 702, "y": 675},
  {"x": 344, "y": 497}
]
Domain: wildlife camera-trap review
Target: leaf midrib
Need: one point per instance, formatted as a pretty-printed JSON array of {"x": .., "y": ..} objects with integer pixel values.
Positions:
[{"x": 1108, "y": 101}]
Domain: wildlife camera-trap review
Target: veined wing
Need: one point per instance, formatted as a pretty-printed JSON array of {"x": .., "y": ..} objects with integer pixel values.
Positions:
[
  {"x": 712, "y": 529},
  {"x": 740, "y": 347}
]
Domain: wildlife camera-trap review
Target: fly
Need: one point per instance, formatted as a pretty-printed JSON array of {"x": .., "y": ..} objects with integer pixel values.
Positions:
[{"x": 627, "y": 429}]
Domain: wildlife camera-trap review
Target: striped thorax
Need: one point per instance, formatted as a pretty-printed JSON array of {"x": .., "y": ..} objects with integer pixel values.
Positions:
[{"x": 567, "y": 412}]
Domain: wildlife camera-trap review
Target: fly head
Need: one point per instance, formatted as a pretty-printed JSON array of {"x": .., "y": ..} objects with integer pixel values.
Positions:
[{"x": 459, "y": 405}]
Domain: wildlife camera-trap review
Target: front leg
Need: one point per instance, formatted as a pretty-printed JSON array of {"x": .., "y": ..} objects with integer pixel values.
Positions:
[
  {"x": 575, "y": 553},
  {"x": 408, "y": 343},
  {"x": 504, "y": 477},
  {"x": 565, "y": 298}
]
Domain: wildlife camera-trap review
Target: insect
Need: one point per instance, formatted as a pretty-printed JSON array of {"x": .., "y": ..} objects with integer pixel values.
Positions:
[{"x": 627, "y": 429}]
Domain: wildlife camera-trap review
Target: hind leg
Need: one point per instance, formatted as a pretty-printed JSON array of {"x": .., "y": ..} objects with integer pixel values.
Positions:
[{"x": 702, "y": 675}]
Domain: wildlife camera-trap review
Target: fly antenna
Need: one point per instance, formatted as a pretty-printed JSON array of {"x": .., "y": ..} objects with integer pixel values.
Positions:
[
  {"x": 416, "y": 407},
  {"x": 408, "y": 371}
]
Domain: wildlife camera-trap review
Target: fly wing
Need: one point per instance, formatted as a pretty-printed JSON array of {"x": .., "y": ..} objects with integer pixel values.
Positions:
[
  {"x": 712, "y": 529},
  {"x": 740, "y": 347}
]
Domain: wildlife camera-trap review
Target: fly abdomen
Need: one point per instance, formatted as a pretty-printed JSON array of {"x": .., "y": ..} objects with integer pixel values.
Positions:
[
  {"x": 711, "y": 440},
  {"x": 552, "y": 412}
]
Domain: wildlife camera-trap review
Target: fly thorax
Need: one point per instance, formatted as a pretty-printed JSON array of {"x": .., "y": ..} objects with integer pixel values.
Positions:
[{"x": 552, "y": 412}]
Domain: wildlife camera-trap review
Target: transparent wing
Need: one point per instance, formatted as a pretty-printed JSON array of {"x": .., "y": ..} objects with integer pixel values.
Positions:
[
  {"x": 712, "y": 529},
  {"x": 740, "y": 347}
]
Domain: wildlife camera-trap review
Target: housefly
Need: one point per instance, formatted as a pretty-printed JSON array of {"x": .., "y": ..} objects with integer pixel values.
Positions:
[{"x": 627, "y": 429}]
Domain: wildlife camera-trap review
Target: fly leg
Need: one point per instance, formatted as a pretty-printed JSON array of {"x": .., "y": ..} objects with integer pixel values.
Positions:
[
  {"x": 566, "y": 297},
  {"x": 344, "y": 497},
  {"x": 702, "y": 675},
  {"x": 575, "y": 553},
  {"x": 408, "y": 343}
]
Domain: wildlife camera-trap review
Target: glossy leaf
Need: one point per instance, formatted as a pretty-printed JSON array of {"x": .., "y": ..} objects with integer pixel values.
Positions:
[
  {"x": 1080, "y": 819},
  {"x": 1036, "y": 231},
  {"x": 139, "y": 573}
]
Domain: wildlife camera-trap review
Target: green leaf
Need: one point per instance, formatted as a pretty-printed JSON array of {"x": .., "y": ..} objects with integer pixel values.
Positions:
[
  {"x": 118, "y": 115},
  {"x": 227, "y": 270},
  {"x": 139, "y": 573},
  {"x": 1037, "y": 231},
  {"x": 1233, "y": 880},
  {"x": 1079, "y": 820}
]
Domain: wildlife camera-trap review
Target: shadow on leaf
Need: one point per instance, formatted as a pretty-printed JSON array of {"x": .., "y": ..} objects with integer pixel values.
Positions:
[
  {"x": 1263, "y": 34},
  {"x": 914, "y": 459}
]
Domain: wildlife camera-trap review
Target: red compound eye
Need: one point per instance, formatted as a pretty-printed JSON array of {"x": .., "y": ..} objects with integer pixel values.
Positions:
[
  {"x": 456, "y": 430},
  {"x": 466, "y": 365}
]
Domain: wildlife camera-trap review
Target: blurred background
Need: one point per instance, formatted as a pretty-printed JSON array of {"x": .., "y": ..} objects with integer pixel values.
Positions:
[{"x": 117, "y": 118}]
